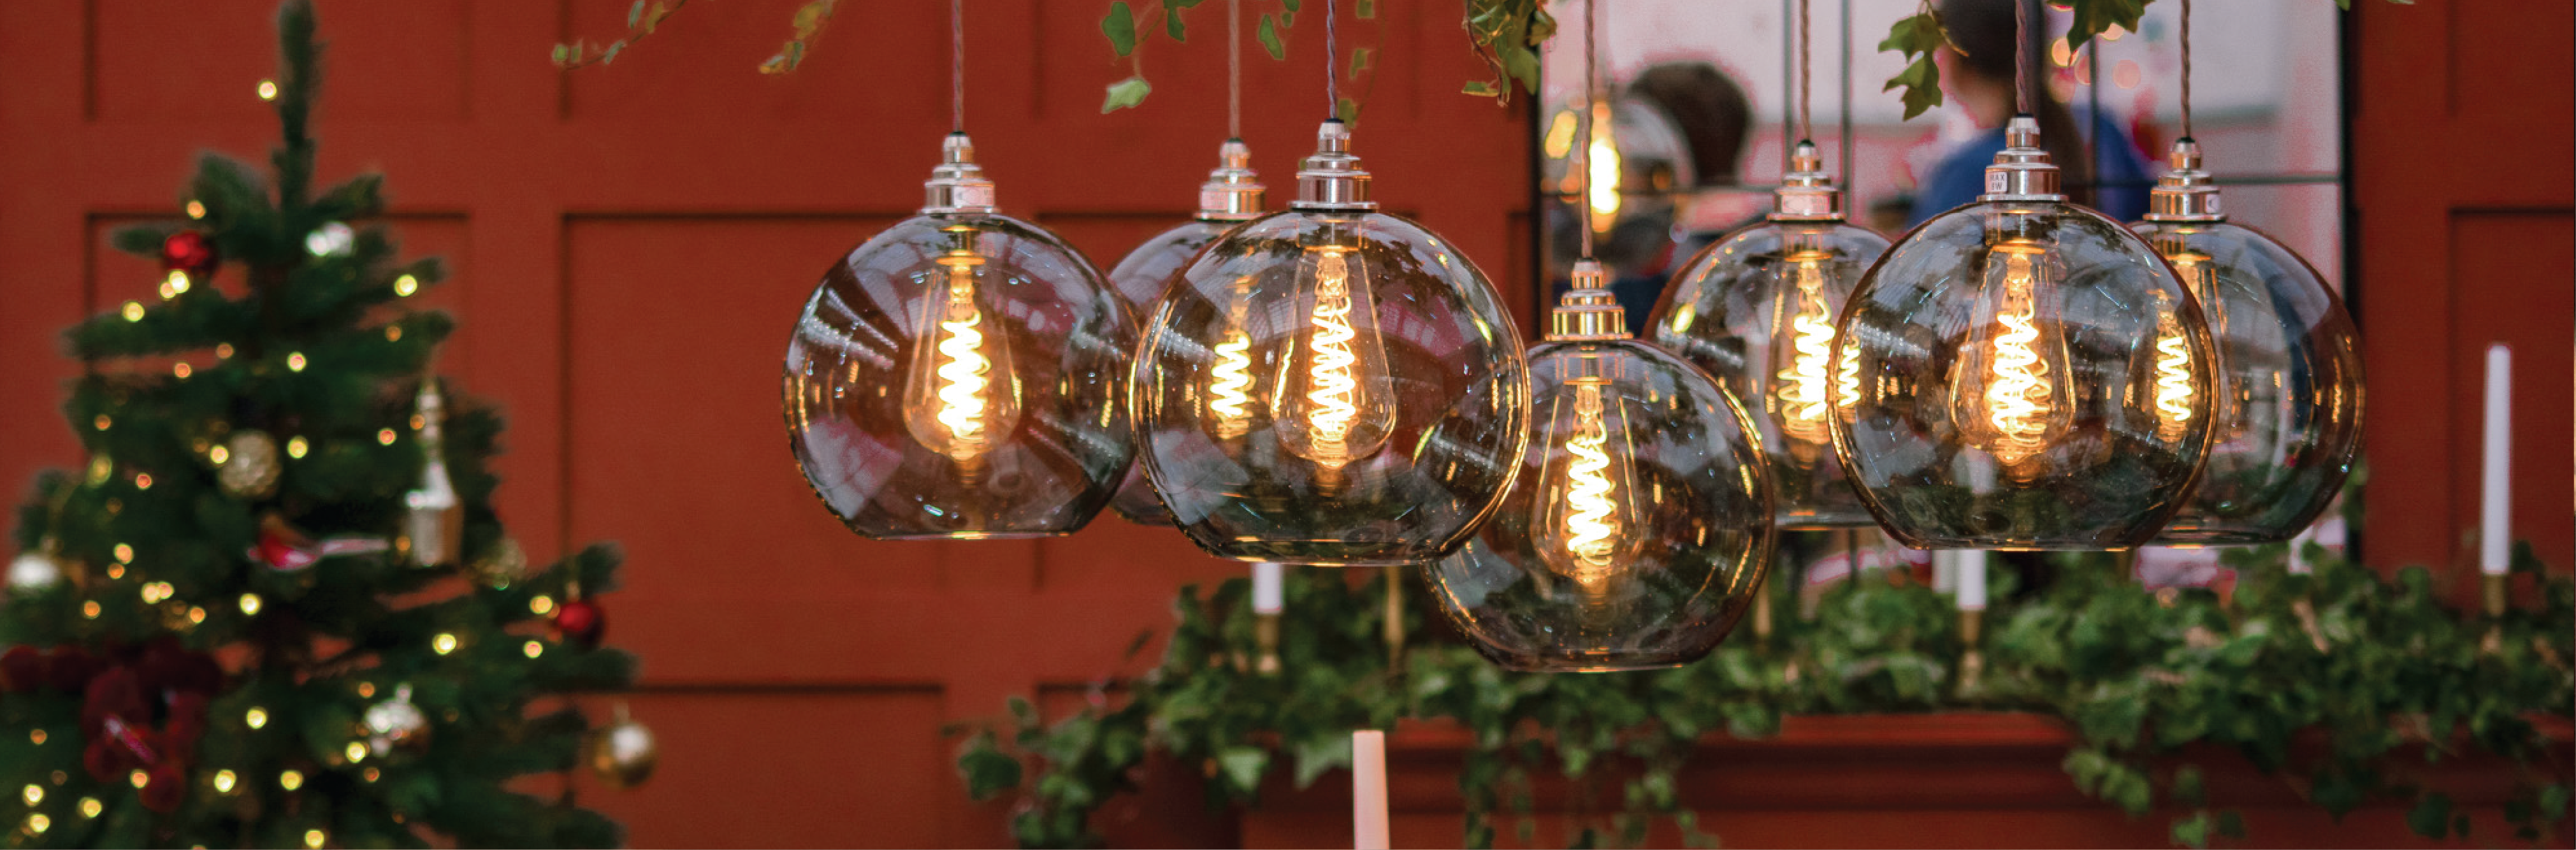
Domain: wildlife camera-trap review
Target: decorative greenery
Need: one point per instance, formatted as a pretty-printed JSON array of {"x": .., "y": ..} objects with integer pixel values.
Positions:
[
  {"x": 2374, "y": 666},
  {"x": 645, "y": 17}
]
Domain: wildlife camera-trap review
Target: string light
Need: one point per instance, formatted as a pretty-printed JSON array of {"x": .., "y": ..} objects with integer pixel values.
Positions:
[
  {"x": 443, "y": 644},
  {"x": 133, "y": 311},
  {"x": 296, "y": 446},
  {"x": 37, "y": 823},
  {"x": 124, "y": 553},
  {"x": 249, "y": 603},
  {"x": 268, "y": 90},
  {"x": 385, "y": 436},
  {"x": 196, "y": 209},
  {"x": 224, "y": 780},
  {"x": 90, "y": 807},
  {"x": 541, "y": 604},
  {"x": 295, "y": 361},
  {"x": 256, "y": 717},
  {"x": 101, "y": 422},
  {"x": 405, "y": 285},
  {"x": 534, "y": 649},
  {"x": 290, "y": 779}
]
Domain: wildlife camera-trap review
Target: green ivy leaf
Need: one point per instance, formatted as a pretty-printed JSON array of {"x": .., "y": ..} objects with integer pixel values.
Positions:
[
  {"x": 1916, "y": 37},
  {"x": 1268, "y": 34},
  {"x": 1360, "y": 59},
  {"x": 1348, "y": 110},
  {"x": 2094, "y": 17},
  {"x": 1120, "y": 27},
  {"x": 1242, "y": 766},
  {"x": 1125, "y": 93},
  {"x": 1364, "y": 9},
  {"x": 1479, "y": 88}
]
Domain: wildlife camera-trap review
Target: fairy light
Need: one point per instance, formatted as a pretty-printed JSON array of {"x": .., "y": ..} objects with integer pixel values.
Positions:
[
  {"x": 295, "y": 361},
  {"x": 296, "y": 446},
  {"x": 405, "y": 285},
  {"x": 101, "y": 422},
  {"x": 37, "y": 823},
  {"x": 384, "y": 436},
  {"x": 133, "y": 311},
  {"x": 143, "y": 481},
  {"x": 534, "y": 648},
  {"x": 249, "y": 603},
  {"x": 223, "y": 351},
  {"x": 256, "y": 717},
  {"x": 224, "y": 781},
  {"x": 182, "y": 371},
  {"x": 90, "y": 807},
  {"x": 34, "y": 793},
  {"x": 90, "y": 609},
  {"x": 314, "y": 838},
  {"x": 541, "y": 604},
  {"x": 36, "y": 736},
  {"x": 138, "y": 778},
  {"x": 290, "y": 779},
  {"x": 196, "y": 209},
  {"x": 124, "y": 553},
  {"x": 219, "y": 455},
  {"x": 356, "y": 751},
  {"x": 268, "y": 89},
  {"x": 443, "y": 644}
]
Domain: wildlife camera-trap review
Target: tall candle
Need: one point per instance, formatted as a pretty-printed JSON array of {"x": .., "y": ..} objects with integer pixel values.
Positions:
[
  {"x": 1972, "y": 579},
  {"x": 1268, "y": 593},
  {"x": 1368, "y": 790},
  {"x": 2495, "y": 534}
]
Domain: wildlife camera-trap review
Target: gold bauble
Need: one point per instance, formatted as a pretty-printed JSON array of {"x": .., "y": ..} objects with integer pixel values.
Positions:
[
  {"x": 250, "y": 466},
  {"x": 622, "y": 754}
]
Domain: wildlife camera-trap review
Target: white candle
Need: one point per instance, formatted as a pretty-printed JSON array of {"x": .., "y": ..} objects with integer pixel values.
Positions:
[
  {"x": 2495, "y": 532},
  {"x": 1972, "y": 579},
  {"x": 2298, "y": 551},
  {"x": 1945, "y": 571},
  {"x": 1268, "y": 594},
  {"x": 1368, "y": 790}
]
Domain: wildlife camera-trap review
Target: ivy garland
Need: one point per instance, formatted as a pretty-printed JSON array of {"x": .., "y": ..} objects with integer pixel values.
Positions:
[{"x": 2372, "y": 664}]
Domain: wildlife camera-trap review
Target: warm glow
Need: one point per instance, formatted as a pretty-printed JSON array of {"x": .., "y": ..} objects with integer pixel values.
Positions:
[
  {"x": 91, "y": 807},
  {"x": 541, "y": 604},
  {"x": 356, "y": 751},
  {"x": 1584, "y": 523},
  {"x": 443, "y": 644},
  {"x": 224, "y": 781},
  {"x": 313, "y": 839},
  {"x": 2008, "y": 394},
  {"x": 963, "y": 398},
  {"x": 1560, "y": 134},
  {"x": 295, "y": 361},
  {"x": 1332, "y": 390},
  {"x": 534, "y": 648},
  {"x": 1601, "y": 158},
  {"x": 405, "y": 285},
  {"x": 249, "y": 604},
  {"x": 34, "y": 794},
  {"x": 268, "y": 90},
  {"x": 1800, "y": 384},
  {"x": 290, "y": 780},
  {"x": 295, "y": 447},
  {"x": 38, "y": 823},
  {"x": 256, "y": 717}
]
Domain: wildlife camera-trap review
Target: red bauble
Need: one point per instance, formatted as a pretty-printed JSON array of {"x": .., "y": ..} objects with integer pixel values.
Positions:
[
  {"x": 188, "y": 251},
  {"x": 101, "y": 759},
  {"x": 22, "y": 668},
  {"x": 582, "y": 622},
  {"x": 70, "y": 668},
  {"x": 115, "y": 693},
  {"x": 164, "y": 788}
]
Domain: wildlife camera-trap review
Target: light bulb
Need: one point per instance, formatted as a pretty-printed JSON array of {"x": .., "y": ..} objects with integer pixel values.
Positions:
[
  {"x": 1230, "y": 379},
  {"x": 2008, "y": 387},
  {"x": 963, "y": 397},
  {"x": 1333, "y": 403},
  {"x": 1802, "y": 345},
  {"x": 2227, "y": 398},
  {"x": 2008, "y": 357},
  {"x": 1586, "y": 525},
  {"x": 1601, "y": 158}
]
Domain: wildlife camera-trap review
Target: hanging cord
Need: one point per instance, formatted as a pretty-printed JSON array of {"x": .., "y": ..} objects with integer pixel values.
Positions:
[
  {"x": 1234, "y": 69},
  {"x": 2021, "y": 57},
  {"x": 2186, "y": 69},
  {"x": 1332, "y": 54},
  {"x": 1591, "y": 118},
  {"x": 957, "y": 66},
  {"x": 1806, "y": 72}
]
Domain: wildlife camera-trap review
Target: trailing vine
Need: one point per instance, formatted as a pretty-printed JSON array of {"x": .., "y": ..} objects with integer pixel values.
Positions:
[{"x": 2373, "y": 665}]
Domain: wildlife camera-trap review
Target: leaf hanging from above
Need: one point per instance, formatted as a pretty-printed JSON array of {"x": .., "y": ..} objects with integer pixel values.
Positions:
[
  {"x": 2094, "y": 17},
  {"x": 1268, "y": 33},
  {"x": 1126, "y": 93},
  {"x": 1120, "y": 27},
  {"x": 1917, "y": 37}
]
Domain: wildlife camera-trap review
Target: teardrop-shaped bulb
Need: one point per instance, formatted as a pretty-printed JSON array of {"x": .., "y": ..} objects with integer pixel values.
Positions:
[
  {"x": 963, "y": 392},
  {"x": 2008, "y": 387},
  {"x": 1336, "y": 400},
  {"x": 1586, "y": 508}
]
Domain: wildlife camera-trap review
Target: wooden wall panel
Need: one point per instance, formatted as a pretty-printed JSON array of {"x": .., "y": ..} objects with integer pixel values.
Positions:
[
  {"x": 182, "y": 60},
  {"x": 2465, "y": 190},
  {"x": 833, "y": 767}
]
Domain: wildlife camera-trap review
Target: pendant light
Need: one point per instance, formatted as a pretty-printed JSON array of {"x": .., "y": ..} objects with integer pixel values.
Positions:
[
  {"x": 1331, "y": 385},
  {"x": 1232, "y": 195},
  {"x": 960, "y": 374},
  {"x": 1757, "y": 311},
  {"x": 1641, "y": 526},
  {"x": 2285, "y": 382},
  {"x": 2006, "y": 370}
]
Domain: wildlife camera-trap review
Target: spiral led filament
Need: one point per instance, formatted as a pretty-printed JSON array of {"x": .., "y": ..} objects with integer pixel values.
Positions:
[
  {"x": 1799, "y": 387},
  {"x": 2173, "y": 378},
  {"x": 2009, "y": 392},
  {"x": 1333, "y": 407},
  {"x": 963, "y": 398},
  {"x": 1591, "y": 524},
  {"x": 1230, "y": 381}
]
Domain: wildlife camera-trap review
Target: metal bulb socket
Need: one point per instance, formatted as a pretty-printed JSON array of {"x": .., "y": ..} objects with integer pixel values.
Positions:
[
  {"x": 1332, "y": 179},
  {"x": 1806, "y": 192},
  {"x": 958, "y": 185},
  {"x": 2185, "y": 193},
  {"x": 1587, "y": 311},
  {"x": 2022, "y": 171},
  {"x": 1232, "y": 192}
]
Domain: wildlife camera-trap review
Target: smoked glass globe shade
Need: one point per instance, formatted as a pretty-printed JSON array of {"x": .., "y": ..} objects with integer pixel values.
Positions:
[
  {"x": 1331, "y": 385},
  {"x": 1757, "y": 311},
  {"x": 1639, "y": 526},
  {"x": 1232, "y": 195},
  {"x": 960, "y": 376},
  {"x": 2286, "y": 390},
  {"x": 2027, "y": 374}
]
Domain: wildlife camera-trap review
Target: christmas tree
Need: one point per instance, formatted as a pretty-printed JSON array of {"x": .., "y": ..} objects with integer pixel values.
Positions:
[{"x": 276, "y": 607}]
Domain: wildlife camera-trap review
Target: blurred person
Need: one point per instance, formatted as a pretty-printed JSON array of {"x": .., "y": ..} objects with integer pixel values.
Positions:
[
  {"x": 1705, "y": 116},
  {"x": 1977, "y": 75}
]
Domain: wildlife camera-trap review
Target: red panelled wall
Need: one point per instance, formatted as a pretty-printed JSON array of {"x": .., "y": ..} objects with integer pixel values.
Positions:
[
  {"x": 630, "y": 244},
  {"x": 2467, "y": 193}
]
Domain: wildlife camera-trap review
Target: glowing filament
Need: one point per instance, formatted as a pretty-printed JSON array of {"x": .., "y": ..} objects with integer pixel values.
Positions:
[
  {"x": 2173, "y": 378},
  {"x": 2017, "y": 394},
  {"x": 1591, "y": 523},
  {"x": 962, "y": 367},
  {"x": 1801, "y": 382},
  {"x": 1227, "y": 399},
  {"x": 1334, "y": 390}
]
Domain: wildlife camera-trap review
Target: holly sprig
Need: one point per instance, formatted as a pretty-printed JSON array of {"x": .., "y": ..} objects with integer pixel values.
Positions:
[{"x": 2378, "y": 667}]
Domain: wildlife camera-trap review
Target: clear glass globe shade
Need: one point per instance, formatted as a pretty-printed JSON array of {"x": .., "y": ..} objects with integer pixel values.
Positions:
[
  {"x": 2017, "y": 366},
  {"x": 1757, "y": 311},
  {"x": 1331, "y": 388},
  {"x": 960, "y": 376},
  {"x": 2285, "y": 400},
  {"x": 1639, "y": 526},
  {"x": 1139, "y": 280}
]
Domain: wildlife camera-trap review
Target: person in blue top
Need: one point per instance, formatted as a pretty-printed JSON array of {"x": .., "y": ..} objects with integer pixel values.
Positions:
[{"x": 1977, "y": 74}]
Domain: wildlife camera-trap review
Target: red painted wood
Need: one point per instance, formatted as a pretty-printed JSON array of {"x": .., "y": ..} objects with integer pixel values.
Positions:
[{"x": 2468, "y": 236}]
